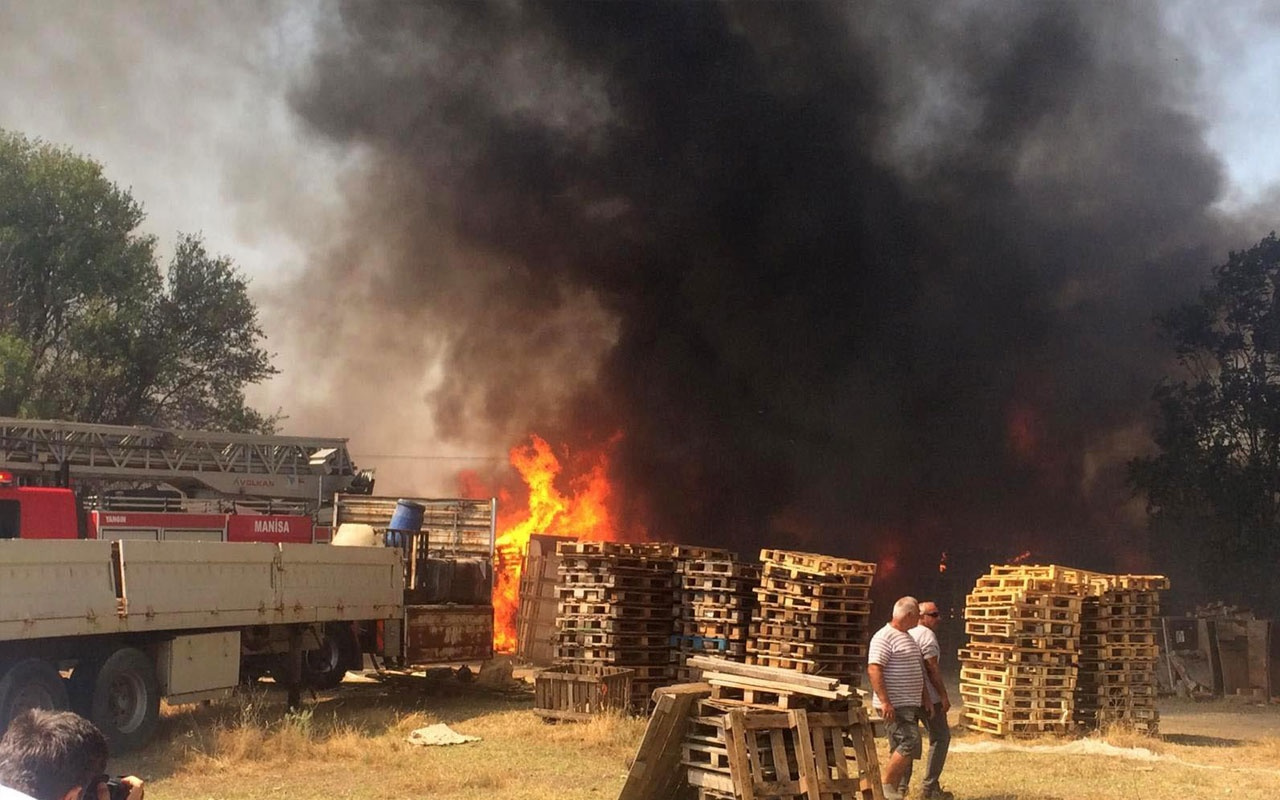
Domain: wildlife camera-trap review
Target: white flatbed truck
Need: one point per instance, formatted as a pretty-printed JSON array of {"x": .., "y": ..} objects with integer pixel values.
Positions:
[{"x": 109, "y": 628}]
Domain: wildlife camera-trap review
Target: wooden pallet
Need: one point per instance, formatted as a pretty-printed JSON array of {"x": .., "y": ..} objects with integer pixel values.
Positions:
[
  {"x": 975, "y": 655},
  {"x": 996, "y": 585},
  {"x": 618, "y": 641},
  {"x": 805, "y": 617},
  {"x": 849, "y": 581},
  {"x": 819, "y": 650},
  {"x": 1016, "y": 728},
  {"x": 578, "y": 692},
  {"x": 618, "y": 656},
  {"x": 613, "y": 610},
  {"x": 635, "y": 627},
  {"x": 846, "y": 669},
  {"x": 721, "y": 567},
  {"x": 1118, "y": 625},
  {"x": 1017, "y": 674},
  {"x": 823, "y": 589},
  {"x": 815, "y": 563},
  {"x": 1013, "y": 697},
  {"x": 721, "y": 584},
  {"x": 709, "y": 644},
  {"x": 813, "y": 604},
  {"x": 658, "y": 550},
  {"x": 1025, "y": 642},
  {"x": 663, "y": 596},
  {"x": 639, "y": 580},
  {"x": 733, "y": 632},
  {"x": 850, "y": 634},
  {"x": 1022, "y": 628},
  {"x": 602, "y": 563},
  {"x": 1147, "y": 583},
  {"x": 1056, "y": 684},
  {"x": 764, "y": 753},
  {"x": 1022, "y": 612}
]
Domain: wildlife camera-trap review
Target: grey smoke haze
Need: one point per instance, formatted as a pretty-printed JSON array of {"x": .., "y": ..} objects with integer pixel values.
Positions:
[
  {"x": 870, "y": 278},
  {"x": 858, "y": 276}
]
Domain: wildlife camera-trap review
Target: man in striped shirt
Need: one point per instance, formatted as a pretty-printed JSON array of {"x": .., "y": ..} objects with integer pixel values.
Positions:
[{"x": 896, "y": 669}]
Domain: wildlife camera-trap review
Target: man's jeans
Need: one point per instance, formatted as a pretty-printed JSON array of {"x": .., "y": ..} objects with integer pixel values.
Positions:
[{"x": 939, "y": 742}]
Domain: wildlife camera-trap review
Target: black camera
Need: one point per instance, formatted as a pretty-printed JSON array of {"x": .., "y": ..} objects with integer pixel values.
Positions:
[{"x": 116, "y": 789}]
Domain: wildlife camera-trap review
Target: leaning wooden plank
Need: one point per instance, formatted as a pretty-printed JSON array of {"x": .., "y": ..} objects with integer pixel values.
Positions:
[
  {"x": 736, "y": 738},
  {"x": 806, "y": 763},
  {"x": 778, "y": 675},
  {"x": 656, "y": 773},
  {"x": 864, "y": 750}
]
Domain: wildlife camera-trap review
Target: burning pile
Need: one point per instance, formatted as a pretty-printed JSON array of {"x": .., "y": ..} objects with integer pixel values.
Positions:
[
  {"x": 1019, "y": 672},
  {"x": 580, "y": 513},
  {"x": 812, "y": 615},
  {"x": 715, "y": 609},
  {"x": 616, "y": 609},
  {"x": 1118, "y": 652}
]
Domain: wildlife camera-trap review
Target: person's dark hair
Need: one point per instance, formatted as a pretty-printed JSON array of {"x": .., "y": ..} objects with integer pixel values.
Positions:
[{"x": 48, "y": 753}]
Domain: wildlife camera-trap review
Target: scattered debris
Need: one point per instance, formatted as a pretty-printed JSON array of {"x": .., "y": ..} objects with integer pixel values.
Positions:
[{"x": 437, "y": 735}]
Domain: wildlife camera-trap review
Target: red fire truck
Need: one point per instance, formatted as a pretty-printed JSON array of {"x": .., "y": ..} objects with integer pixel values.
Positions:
[{"x": 63, "y": 480}]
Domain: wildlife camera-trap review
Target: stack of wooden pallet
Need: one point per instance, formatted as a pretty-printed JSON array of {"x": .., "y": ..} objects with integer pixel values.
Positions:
[
  {"x": 812, "y": 615},
  {"x": 756, "y": 732},
  {"x": 716, "y": 598},
  {"x": 615, "y": 608},
  {"x": 1118, "y": 652},
  {"x": 1019, "y": 672}
]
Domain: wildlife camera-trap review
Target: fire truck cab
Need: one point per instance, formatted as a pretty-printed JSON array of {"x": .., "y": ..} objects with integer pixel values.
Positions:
[{"x": 36, "y": 512}]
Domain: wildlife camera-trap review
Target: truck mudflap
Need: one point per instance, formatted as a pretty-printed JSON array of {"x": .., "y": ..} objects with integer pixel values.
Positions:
[{"x": 447, "y": 634}]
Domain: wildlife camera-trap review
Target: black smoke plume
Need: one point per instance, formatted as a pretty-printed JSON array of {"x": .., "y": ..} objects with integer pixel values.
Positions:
[{"x": 873, "y": 279}]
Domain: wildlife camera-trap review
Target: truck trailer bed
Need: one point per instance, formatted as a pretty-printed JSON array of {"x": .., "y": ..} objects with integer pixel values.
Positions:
[{"x": 75, "y": 588}]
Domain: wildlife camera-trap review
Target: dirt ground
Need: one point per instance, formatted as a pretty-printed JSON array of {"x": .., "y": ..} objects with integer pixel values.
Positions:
[
  {"x": 350, "y": 743},
  {"x": 1224, "y": 722}
]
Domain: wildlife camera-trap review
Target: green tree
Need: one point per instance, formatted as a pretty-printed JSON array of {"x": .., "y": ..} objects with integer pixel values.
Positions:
[
  {"x": 1213, "y": 490},
  {"x": 90, "y": 329}
]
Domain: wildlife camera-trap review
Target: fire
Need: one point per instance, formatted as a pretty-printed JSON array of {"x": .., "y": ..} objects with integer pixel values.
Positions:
[
  {"x": 942, "y": 563},
  {"x": 581, "y": 513},
  {"x": 1021, "y": 557}
]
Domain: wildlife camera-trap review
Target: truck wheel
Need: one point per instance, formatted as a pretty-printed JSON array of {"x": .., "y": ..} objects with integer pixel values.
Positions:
[
  {"x": 80, "y": 686},
  {"x": 30, "y": 683},
  {"x": 327, "y": 665},
  {"x": 126, "y": 699}
]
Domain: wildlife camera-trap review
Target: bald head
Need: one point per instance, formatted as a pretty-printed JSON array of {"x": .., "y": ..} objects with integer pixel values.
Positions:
[{"x": 906, "y": 613}]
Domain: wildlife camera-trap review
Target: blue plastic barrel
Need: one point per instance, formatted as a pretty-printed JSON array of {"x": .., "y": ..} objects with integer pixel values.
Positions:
[{"x": 407, "y": 518}]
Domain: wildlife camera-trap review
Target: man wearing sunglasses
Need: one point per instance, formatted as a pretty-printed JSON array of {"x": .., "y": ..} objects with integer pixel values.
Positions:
[
  {"x": 936, "y": 718},
  {"x": 57, "y": 755}
]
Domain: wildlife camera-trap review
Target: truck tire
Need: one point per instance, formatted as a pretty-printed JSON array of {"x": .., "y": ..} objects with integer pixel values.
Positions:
[
  {"x": 30, "y": 683},
  {"x": 126, "y": 699},
  {"x": 325, "y": 666},
  {"x": 80, "y": 685}
]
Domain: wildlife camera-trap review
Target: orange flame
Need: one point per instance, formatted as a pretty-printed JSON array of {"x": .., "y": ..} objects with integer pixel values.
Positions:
[
  {"x": 583, "y": 513},
  {"x": 1023, "y": 556}
]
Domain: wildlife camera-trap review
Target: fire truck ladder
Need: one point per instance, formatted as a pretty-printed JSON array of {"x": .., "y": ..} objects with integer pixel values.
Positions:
[{"x": 198, "y": 463}]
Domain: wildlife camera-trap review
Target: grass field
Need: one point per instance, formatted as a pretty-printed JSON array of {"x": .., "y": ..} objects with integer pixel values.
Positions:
[{"x": 351, "y": 744}]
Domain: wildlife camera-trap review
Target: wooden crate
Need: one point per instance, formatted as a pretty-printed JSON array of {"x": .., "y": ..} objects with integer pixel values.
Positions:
[{"x": 581, "y": 691}]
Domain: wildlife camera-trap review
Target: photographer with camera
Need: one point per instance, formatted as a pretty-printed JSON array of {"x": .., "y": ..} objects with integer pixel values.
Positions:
[{"x": 58, "y": 755}]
